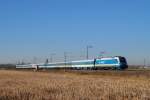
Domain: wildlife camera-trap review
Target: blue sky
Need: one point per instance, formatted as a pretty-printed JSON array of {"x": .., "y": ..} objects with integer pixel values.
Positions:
[{"x": 36, "y": 28}]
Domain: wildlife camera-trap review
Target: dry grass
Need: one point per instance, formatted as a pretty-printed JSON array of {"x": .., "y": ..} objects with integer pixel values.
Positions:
[{"x": 104, "y": 85}]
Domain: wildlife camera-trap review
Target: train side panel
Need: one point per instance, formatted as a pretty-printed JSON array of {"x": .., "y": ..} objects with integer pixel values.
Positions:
[
  {"x": 112, "y": 63},
  {"x": 83, "y": 64}
]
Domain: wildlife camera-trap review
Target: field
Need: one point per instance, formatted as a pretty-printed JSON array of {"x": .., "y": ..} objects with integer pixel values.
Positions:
[{"x": 74, "y": 85}]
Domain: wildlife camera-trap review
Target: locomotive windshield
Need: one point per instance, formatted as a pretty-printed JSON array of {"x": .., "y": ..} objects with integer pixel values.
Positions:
[{"x": 122, "y": 60}]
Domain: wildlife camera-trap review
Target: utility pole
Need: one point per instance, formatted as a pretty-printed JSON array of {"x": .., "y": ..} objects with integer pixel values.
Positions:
[
  {"x": 46, "y": 62},
  {"x": 144, "y": 63},
  {"x": 87, "y": 51},
  {"x": 65, "y": 58}
]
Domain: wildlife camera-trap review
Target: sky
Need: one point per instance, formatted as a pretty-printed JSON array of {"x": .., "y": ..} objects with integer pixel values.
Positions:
[{"x": 34, "y": 29}]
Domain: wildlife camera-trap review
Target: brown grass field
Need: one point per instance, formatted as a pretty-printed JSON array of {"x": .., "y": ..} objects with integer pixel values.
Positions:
[{"x": 74, "y": 85}]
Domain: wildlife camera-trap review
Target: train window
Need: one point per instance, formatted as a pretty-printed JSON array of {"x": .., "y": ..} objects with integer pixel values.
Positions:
[{"x": 111, "y": 61}]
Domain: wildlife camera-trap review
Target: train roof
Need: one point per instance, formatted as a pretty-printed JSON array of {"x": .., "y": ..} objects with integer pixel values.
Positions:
[
  {"x": 83, "y": 60},
  {"x": 108, "y": 58}
]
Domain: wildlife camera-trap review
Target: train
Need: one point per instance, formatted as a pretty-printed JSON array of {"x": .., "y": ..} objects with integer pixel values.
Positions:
[{"x": 116, "y": 62}]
